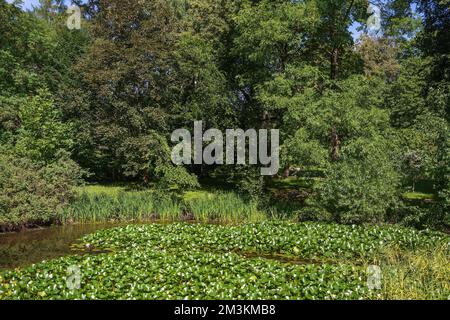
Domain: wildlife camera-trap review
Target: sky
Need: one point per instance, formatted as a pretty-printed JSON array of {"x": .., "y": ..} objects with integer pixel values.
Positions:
[{"x": 27, "y": 4}]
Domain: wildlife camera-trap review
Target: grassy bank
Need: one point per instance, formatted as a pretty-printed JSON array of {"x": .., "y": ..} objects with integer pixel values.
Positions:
[
  {"x": 117, "y": 203},
  {"x": 102, "y": 203},
  {"x": 254, "y": 261}
]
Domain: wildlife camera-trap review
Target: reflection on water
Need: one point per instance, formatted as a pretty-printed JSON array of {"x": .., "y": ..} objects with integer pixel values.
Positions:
[{"x": 31, "y": 246}]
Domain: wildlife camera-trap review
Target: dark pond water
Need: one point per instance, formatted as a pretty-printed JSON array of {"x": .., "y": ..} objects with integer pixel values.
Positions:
[{"x": 32, "y": 246}]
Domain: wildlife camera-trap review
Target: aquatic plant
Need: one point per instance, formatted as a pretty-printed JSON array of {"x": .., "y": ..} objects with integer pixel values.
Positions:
[
  {"x": 180, "y": 274},
  {"x": 224, "y": 207},
  {"x": 303, "y": 240},
  {"x": 120, "y": 205},
  {"x": 268, "y": 260}
]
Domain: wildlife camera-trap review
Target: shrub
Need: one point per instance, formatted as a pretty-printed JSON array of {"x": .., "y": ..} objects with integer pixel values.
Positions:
[
  {"x": 246, "y": 179},
  {"x": 361, "y": 187},
  {"x": 442, "y": 212},
  {"x": 32, "y": 194}
]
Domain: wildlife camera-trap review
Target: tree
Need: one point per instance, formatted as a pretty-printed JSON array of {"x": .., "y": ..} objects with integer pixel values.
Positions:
[
  {"x": 380, "y": 57},
  {"x": 42, "y": 134},
  {"x": 362, "y": 186},
  {"x": 270, "y": 36},
  {"x": 442, "y": 215},
  {"x": 333, "y": 37},
  {"x": 128, "y": 80}
]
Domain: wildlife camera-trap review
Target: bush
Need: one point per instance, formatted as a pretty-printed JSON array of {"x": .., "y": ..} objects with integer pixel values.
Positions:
[
  {"x": 32, "y": 194},
  {"x": 246, "y": 180},
  {"x": 417, "y": 214},
  {"x": 359, "y": 188},
  {"x": 442, "y": 209}
]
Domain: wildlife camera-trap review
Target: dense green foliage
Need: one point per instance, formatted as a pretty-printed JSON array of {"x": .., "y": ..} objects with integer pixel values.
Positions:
[
  {"x": 364, "y": 126},
  {"x": 371, "y": 115},
  {"x": 42, "y": 134},
  {"x": 310, "y": 241},
  {"x": 149, "y": 274},
  {"x": 31, "y": 194},
  {"x": 192, "y": 261}
]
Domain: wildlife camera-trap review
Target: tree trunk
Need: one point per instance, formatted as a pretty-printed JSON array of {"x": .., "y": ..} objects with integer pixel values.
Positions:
[
  {"x": 286, "y": 171},
  {"x": 334, "y": 60},
  {"x": 335, "y": 145}
]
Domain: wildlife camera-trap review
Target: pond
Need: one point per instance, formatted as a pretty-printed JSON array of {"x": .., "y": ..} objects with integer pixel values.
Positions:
[
  {"x": 32, "y": 246},
  {"x": 20, "y": 249}
]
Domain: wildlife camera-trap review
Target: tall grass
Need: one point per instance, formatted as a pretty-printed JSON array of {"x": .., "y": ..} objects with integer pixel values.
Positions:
[
  {"x": 224, "y": 207},
  {"x": 101, "y": 207},
  {"x": 168, "y": 209},
  {"x": 416, "y": 275},
  {"x": 104, "y": 205},
  {"x": 283, "y": 210}
]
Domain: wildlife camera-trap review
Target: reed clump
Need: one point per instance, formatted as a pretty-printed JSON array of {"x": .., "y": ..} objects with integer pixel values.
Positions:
[
  {"x": 93, "y": 207},
  {"x": 416, "y": 275}
]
